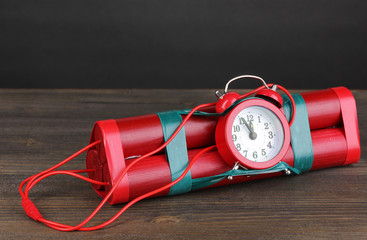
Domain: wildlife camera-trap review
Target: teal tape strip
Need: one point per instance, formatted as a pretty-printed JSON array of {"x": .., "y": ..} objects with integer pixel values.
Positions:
[
  {"x": 300, "y": 133},
  {"x": 198, "y": 183},
  {"x": 176, "y": 151}
]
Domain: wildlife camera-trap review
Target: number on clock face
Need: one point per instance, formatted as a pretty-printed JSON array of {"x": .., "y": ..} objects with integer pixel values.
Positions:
[{"x": 257, "y": 134}]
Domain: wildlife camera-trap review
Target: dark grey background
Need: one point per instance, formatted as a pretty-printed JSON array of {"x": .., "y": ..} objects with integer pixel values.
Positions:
[{"x": 182, "y": 44}]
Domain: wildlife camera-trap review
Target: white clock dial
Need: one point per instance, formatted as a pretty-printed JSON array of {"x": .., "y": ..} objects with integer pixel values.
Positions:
[{"x": 257, "y": 134}]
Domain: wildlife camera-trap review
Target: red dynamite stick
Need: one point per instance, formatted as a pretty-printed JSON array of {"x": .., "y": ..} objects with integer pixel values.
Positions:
[
  {"x": 329, "y": 147},
  {"x": 323, "y": 108},
  {"x": 142, "y": 134}
]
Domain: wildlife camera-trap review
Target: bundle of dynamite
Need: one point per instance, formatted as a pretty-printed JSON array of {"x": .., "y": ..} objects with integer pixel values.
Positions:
[{"x": 239, "y": 138}]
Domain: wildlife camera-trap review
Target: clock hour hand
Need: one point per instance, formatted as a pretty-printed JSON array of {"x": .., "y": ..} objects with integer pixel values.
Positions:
[{"x": 252, "y": 135}]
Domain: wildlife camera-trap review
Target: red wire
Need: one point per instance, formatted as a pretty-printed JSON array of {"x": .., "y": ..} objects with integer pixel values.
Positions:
[
  {"x": 253, "y": 91},
  {"x": 67, "y": 172},
  {"x": 284, "y": 90},
  {"x": 33, "y": 180},
  {"x": 292, "y": 101},
  {"x": 63, "y": 227}
]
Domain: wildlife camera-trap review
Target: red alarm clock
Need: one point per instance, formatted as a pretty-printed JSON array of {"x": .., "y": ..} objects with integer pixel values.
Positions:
[{"x": 255, "y": 133}]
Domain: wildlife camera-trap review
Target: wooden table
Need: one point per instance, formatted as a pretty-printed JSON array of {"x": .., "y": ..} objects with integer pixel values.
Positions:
[{"x": 39, "y": 128}]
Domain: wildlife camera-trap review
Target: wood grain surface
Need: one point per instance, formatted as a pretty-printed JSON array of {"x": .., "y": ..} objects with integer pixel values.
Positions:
[{"x": 39, "y": 128}]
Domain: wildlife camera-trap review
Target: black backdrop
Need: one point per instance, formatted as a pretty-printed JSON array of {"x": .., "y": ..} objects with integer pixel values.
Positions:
[{"x": 182, "y": 44}]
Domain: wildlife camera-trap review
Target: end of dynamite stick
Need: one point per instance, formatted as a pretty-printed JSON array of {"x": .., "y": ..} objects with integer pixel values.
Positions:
[
  {"x": 107, "y": 159},
  {"x": 350, "y": 123}
]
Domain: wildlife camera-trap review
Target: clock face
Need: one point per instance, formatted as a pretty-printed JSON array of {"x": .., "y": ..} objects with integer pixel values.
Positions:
[{"x": 257, "y": 134}]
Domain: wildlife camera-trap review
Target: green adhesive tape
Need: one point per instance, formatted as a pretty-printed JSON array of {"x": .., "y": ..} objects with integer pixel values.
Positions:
[
  {"x": 176, "y": 151},
  {"x": 300, "y": 133}
]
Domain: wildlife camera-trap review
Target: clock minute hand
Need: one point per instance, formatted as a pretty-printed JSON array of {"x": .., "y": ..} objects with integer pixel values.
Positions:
[{"x": 246, "y": 124}]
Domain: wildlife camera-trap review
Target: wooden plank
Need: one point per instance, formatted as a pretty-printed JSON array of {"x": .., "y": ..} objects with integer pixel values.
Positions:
[{"x": 38, "y": 128}]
